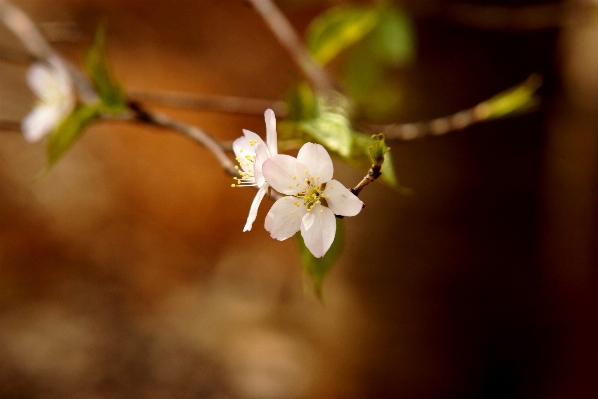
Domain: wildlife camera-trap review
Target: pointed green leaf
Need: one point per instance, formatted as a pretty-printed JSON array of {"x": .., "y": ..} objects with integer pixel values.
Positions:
[
  {"x": 332, "y": 130},
  {"x": 68, "y": 131},
  {"x": 392, "y": 42},
  {"x": 96, "y": 64},
  {"x": 516, "y": 99},
  {"x": 361, "y": 158},
  {"x": 317, "y": 268},
  {"x": 338, "y": 28}
]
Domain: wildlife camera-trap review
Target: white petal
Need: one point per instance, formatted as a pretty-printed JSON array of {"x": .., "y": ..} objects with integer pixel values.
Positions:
[
  {"x": 39, "y": 77},
  {"x": 62, "y": 76},
  {"x": 40, "y": 122},
  {"x": 242, "y": 147},
  {"x": 317, "y": 160},
  {"x": 284, "y": 218},
  {"x": 341, "y": 200},
  {"x": 271, "y": 138},
  {"x": 261, "y": 155},
  {"x": 253, "y": 136},
  {"x": 280, "y": 172},
  {"x": 254, "y": 207},
  {"x": 318, "y": 228}
]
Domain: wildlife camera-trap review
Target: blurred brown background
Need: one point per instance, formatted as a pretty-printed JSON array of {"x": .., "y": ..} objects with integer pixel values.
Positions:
[{"x": 125, "y": 273}]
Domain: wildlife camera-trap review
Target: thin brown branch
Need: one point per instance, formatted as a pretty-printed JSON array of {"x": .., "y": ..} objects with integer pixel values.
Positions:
[
  {"x": 228, "y": 104},
  {"x": 318, "y": 78},
  {"x": 462, "y": 119},
  {"x": 435, "y": 127},
  {"x": 194, "y": 133},
  {"x": 372, "y": 175},
  {"x": 11, "y": 126},
  {"x": 15, "y": 56}
]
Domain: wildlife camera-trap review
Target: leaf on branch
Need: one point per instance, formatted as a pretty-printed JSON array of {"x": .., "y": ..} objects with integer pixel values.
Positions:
[
  {"x": 319, "y": 120},
  {"x": 379, "y": 149},
  {"x": 338, "y": 28},
  {"x": 317, "y": 268},
  {"x": 367, "y": 72},
  {"x": 63, "y": 137},
  {"x": 96, "y": 64},
  {"x": 367, "y": 151},
  {"x": 520, "y": 98}
]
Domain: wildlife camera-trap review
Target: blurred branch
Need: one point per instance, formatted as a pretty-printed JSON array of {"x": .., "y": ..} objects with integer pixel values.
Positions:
[
  {"x": 15, "y": 56},
  {"x": 11, "y": 126},
  {"x": 517, "y": 99},
  {"x": 319, "y": 79},
  {"x": 35, "y": 43},
  {"x": 229, "y": 104},
  {"x": 196, "y": 134}
]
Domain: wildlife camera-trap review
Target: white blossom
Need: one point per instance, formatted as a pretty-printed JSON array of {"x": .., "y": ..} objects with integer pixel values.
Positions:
[
  {"x": 251, "y": 152},
  {"x": 52, "y": 85},
  {"x": 312, "y": 198}
]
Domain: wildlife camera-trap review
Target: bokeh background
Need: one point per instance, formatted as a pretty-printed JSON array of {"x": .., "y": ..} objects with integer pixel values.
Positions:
[{"x": 125, "y": 273}]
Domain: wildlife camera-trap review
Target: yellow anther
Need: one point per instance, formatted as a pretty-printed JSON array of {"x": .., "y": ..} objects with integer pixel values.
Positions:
[
  {"x": 232, "y": 185},
  {"x": 306, "y": 171}
]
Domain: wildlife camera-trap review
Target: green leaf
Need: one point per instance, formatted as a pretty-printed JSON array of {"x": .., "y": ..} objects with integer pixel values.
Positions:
[
  {"x": 331, "y": 129},
  {"x": 338, "y": 28},
  {"x": 516, "y": 99},
  {"x": 379, "y": 149},
  {"x": 317, "y": 268},
  {"x": 302, "y": 103},
  {"x": 96, "y": 64},
  {"x": 68, "y": 131},
  {"x": 361, "y": 159},
  {"x": 392, "y": 42}
]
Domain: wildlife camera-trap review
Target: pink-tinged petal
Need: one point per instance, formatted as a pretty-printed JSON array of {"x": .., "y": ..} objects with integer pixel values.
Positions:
[
  {"x": 284, "y": 218},
  {"x": 280, "y": 172},
  {"x": 40, "y": 122},
  {"x": 317, "y": 160},
  {"x": 261, "y": 155},
  {"x": 318, "y": 228},
  {"x": 271, "y": 138},
  {"x": 254, "y": 207},
  {"x": 340, "y": 200}
]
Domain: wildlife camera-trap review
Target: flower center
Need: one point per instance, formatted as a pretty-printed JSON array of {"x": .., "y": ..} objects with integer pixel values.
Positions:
[
  {"x": 313, "y": 192},
  {"x": 246, "y": 171}
]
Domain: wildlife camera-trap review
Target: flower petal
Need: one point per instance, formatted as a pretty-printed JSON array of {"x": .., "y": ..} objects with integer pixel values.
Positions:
[
  {"x": 261, "y": 155},
  {"x": 284, "y": 218},
  {"x": 317, "y": 160},
  {"x": 242, "y": 148},
  {"x": 254, "y": 207},
  {"x": 271, "y": 138},
  {"x": 280, "y": 172},
  {"x": 40, "y": 122},
  {"x": 39, "y": 77},
  {"x": 318, "y": 228},
  {"x": 340, "y": 200}
]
